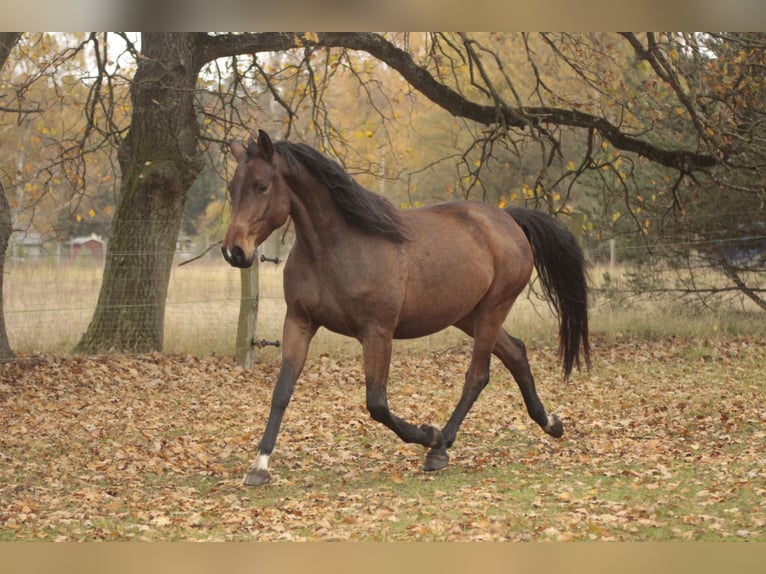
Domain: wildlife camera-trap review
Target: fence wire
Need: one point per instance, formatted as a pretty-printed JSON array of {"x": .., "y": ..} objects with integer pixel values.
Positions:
[{"x": 49, "y": 301}]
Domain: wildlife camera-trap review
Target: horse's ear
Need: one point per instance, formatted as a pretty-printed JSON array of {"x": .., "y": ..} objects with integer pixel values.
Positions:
[
  {"x": 264, "y": 142},
  {"x": 238, "y": 150}
]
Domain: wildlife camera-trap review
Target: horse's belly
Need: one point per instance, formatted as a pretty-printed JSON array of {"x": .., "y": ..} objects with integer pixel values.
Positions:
[
  {"x": 429, "y": 314},
  {"x": 421, "y": 327}
]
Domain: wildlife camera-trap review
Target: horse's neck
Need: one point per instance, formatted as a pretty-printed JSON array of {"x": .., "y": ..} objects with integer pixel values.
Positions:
[{"x": 318, "y": 222}]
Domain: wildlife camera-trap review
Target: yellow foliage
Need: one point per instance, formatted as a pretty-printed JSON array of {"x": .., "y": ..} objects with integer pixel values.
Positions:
[{"x": 528, "y": 192}]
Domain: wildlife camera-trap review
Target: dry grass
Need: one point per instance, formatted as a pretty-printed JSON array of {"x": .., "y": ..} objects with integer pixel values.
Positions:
[
  {"x": 48, "y": 307},
  {"x": 662, "y": 308}
]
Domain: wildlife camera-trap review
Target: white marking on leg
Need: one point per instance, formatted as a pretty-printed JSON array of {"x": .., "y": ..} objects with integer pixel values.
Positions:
[
  {"x": 551, "y": 421},
  {"x": 262, "y": 462}
]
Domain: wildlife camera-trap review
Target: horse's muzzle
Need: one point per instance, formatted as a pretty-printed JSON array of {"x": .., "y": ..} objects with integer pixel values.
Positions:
[{"x": 236, "y": 257}]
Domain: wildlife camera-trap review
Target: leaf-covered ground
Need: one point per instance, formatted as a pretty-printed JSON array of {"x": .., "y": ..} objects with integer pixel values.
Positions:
[{"x": 663, "y": 440}]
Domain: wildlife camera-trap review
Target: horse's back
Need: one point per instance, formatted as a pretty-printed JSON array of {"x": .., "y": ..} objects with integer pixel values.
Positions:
[{"x": 468, "y": 231}]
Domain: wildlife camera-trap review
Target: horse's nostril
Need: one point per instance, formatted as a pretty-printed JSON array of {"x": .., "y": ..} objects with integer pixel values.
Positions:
[{"x": 237, "y": 256}]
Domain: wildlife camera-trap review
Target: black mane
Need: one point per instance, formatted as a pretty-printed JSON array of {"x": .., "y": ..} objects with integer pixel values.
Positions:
[{"x": 364, "y": 209}]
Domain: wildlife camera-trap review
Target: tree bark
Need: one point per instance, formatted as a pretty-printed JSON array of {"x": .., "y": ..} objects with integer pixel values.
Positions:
[
  {"x": 159, "y": 161},
  {"x": 6, "y": 354},
  {"x": 7, "y": 41}
]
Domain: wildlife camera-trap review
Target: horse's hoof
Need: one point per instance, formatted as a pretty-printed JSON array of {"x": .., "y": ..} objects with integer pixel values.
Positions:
[
  {"x": 434, "y": 437},
  {"x": 256, "y": 477},
  {"x": 435, "y": 460},
  {"x": 555, "y": 427}
]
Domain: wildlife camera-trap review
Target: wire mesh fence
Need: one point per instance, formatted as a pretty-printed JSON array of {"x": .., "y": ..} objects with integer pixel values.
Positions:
[{"x": 49, "y": 301}]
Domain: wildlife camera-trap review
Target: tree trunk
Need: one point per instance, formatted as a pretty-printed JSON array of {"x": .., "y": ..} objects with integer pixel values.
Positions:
[
  {"x": 7, "y": 42},
  {"x": 159, "y": 161},
  {"x": 6, "y": 354}
]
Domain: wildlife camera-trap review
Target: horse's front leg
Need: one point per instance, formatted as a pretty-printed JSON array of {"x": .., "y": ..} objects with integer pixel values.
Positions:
[
  {"x": 297, "y": 335},
  {"x": 377, "y": 359}
]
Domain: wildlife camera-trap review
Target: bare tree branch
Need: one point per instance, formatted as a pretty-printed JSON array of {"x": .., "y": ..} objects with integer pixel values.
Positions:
[{"x": 449, "y": 99}]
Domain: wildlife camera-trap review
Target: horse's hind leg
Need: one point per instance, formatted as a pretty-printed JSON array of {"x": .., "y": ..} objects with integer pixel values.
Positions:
[
  {"x": 513, "y": 354},
  {"x": 476, "y": 378}
]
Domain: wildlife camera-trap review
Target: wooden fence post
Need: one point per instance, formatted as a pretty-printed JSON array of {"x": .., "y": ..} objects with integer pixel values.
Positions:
[{"x": 248, "y": 316}]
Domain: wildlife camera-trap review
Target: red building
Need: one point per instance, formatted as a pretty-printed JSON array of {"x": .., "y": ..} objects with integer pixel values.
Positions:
[{"x": 92, "y": 245}]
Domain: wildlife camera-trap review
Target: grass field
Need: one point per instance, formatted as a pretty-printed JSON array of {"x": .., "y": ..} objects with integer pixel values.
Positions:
[
  {"x": 664, "y": 440},
  {"x": 664, "y": 437}
]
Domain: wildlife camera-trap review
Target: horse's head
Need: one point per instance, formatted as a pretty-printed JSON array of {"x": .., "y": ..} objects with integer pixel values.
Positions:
[{"x": 259, "y": 200}]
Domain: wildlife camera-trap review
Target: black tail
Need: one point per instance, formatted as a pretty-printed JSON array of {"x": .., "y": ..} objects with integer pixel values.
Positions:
[{"x": 561, "y": 267}]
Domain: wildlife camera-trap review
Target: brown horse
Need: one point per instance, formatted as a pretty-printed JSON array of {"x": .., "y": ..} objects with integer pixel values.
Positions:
[{"x": 361, "y": 268}]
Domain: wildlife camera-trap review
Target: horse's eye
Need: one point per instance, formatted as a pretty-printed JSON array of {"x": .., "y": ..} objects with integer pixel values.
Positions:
[{"x": 260, "y": 187}]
